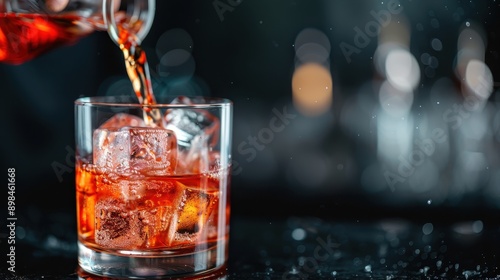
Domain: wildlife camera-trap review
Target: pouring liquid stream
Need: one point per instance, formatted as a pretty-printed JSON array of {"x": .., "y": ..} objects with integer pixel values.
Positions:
[{"x": 138, "y": 72}]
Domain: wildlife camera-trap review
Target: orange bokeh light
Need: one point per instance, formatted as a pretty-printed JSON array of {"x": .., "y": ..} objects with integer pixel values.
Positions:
[{"x": 312, "y": 89}]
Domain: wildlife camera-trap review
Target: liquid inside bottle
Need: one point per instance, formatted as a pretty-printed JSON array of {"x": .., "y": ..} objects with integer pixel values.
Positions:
[{"x": 26, "y": 36}]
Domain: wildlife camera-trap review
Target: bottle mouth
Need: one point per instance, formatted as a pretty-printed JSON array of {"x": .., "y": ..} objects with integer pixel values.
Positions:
[{"x": 136, "y": 16}]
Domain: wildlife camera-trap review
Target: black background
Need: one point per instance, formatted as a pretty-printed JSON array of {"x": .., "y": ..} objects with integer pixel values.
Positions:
[{"x": 248, "y": 56}]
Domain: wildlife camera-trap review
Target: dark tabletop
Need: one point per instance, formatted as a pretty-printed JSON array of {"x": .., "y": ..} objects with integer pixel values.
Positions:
[{"x": 333, "y": 246}]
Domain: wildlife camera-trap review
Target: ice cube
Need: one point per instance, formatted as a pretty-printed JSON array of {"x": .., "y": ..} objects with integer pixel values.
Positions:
[
  {"x": 149, "y": 205},
  {"x": 119, "y": 227},
  {"x": 121, "y": 120},
  {"x": 199, "y": 158},
  {"x": 188, "y": 123},
  {"x": 147, "y": 150},
  {"x": 153, "y": 150},
  {"x": 132, "y": 190},
  {"x": 193, "y": 210},
  {"x": 195, "y": 159},
  {"x": 110, "y": 151}
]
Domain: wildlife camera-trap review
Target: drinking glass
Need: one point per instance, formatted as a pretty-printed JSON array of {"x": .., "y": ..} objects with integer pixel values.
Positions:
[{"x": 153, "y": 200}]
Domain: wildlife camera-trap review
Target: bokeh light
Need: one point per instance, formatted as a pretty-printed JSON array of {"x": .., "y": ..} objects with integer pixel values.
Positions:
[
  {"x": 174, "y": 49},
  {"x": 312, "y": 89},
  {"x": 402, "y": 69},
  {"x": 312, "y": 81},
  {"x": 479, "y": 79},
  {"x": 470, "y": 45},
  {"x": 394, "y": 101},
  {"x": 312, "y": 45}
]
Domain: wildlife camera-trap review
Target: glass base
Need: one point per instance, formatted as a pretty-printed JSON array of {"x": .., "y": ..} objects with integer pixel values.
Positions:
[{"x": 152, "y": 266}]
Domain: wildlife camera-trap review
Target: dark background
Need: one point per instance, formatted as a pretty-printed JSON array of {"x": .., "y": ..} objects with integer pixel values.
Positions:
[{"x": 328, "y": 163}]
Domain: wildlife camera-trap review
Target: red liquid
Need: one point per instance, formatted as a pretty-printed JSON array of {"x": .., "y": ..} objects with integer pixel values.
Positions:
[
  {"x": 152, "y": 212},
  {"x": 26, "y": 36}
]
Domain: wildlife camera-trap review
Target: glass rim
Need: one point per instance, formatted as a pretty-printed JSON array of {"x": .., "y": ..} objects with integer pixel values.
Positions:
[{"x": 126, "y": 101}]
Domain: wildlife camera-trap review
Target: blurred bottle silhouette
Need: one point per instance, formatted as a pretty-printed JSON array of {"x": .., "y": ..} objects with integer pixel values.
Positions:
[{"x": 29, "y": 28}]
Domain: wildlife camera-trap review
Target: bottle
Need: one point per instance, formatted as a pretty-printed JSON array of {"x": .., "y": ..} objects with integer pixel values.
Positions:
[{"x": 29, "y": 28}]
